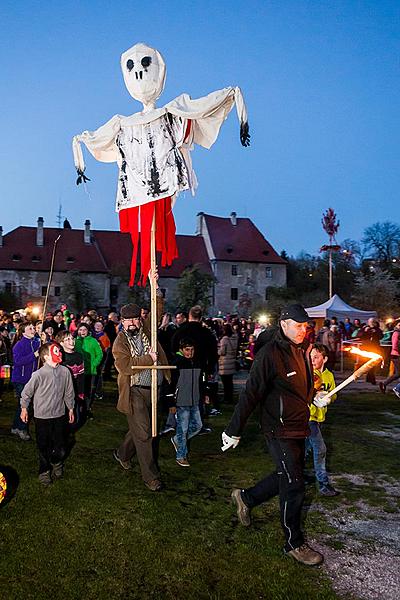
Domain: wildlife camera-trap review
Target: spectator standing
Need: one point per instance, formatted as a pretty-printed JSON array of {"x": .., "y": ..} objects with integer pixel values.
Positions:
[
  {"x": 74, "y": 362},
  {"x": 394, "y": 359},
  {"x": 327, "y": 338},
  {"x": 370, "y": 336},
  {"x": 50, "y": 390},
  {"x": 227, "y": 361},
  {"x": 92, "y": 354},
  {"x": 25, "y": 362},
  {"x": 59, "y": 325},
  {"x": 111, "y": 329}
]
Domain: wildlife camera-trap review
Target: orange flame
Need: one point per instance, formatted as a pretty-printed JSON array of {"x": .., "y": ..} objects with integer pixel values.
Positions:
[{"x": 359, "y": 352}]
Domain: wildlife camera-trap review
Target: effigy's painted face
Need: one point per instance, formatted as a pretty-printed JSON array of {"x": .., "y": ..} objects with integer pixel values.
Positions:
[{"x": 144, "y": 73}]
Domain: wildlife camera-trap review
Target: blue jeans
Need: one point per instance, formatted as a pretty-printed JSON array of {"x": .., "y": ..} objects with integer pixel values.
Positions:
[
  {"x": 188, "y": 424},
  {"x": 315, "y": 441},
  {"x": 18, "y": 423}
]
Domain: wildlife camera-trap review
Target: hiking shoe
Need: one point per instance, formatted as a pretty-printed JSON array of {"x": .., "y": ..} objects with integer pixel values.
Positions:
[
  {"x": 175, "y": 445},
  {"x": 183, "y": 462},
  {"x": 328, "y": 490},
  {"x": 45, "y": 478},
  {"x": 166, "y": 430},
  {"x": 306, "y": 555},
  {"x": 382, "y": 387},
  {"x": 397, "y": 391},
  {"x": 58, "y": 471},
  {"x": 125, "y": 464},
  {"x": 22, "y": 434},
  {"x": 205, "y": 431},
  {"x": 155, "y": 485},
  {"x": 243, "y": 511},
  {"x": 214, "y": 412}
]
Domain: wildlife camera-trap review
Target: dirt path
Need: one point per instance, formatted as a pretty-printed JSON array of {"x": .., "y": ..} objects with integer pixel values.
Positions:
[{"x": 363, "y": 557}]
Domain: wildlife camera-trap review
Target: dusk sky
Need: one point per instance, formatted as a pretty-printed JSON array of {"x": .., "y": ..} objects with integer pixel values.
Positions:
[{"x": 320, "y": 79}]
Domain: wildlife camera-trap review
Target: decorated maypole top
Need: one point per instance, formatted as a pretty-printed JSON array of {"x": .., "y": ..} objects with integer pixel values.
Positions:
[{"x": 152, "y": 149}]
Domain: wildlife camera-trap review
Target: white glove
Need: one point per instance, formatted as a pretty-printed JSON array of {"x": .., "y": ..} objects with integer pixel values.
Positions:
[
  {"x": 320, "y": 401},
  {"x": 229, "y": 442}
]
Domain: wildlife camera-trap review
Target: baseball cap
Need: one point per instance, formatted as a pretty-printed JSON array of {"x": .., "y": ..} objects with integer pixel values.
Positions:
[{"x": 295, "y": 312}]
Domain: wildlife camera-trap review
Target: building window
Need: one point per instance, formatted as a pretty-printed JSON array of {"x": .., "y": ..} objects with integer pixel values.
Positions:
[
  {"x": 8, "y": 288},
  {"x": 234, "y": 293},
  {"x": 35, "y": 258},
  {"x": 70, "y": 259},
  {"x": 57, "y": 290},
  {"x": 266, "y": 294},
  {"x": 16, "y": 257},
  {"x": 44, "y": 290},
  {"x": 113, "y": 293},
  {"x": 268, "y": 272},
  {"x": 234, "y": 270}
]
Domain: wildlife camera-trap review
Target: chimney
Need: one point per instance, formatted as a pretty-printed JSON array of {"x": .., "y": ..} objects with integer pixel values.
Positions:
[
  {"x": 199, "y": 225},
  {"x": 39, "y": 232},
  {"x": 86, "y": 235},
  {"x": 233, "y": 218},
  {"x": 1, "y": 236}
]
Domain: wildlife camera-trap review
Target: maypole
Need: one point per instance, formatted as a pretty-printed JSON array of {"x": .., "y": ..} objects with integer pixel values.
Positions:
[{"x": 331, "y": 227}]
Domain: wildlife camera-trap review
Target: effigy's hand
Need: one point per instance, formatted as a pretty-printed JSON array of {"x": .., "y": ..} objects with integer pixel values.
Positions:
[
  {"x": 320, "y": 401},
  {"x": 81, "y": 177},
  {"x": 244, "y": 134},
  {"x": 229, "y": 441}
]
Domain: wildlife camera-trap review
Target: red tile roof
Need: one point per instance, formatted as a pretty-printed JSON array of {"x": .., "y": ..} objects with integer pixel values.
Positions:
[
  {"x": 19, "y": 251},
  {"x": 242, "y": 242},
  {"x": 108, "y": 250},
  {"x": 191, "y": 251}
]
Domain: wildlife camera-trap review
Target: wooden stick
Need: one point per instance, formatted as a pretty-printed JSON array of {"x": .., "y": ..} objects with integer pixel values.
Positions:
[
  {"x": 354, "y": 376},
  {"x": 153, "y": 309},
  {"x": 50, "y": 278}
]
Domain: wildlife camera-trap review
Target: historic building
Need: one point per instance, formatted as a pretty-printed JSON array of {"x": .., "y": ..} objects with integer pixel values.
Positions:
[{"x": 243, "y": 263}]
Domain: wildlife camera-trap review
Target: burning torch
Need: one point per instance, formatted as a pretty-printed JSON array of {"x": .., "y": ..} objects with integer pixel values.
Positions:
[{"x": 323, "y": 400}]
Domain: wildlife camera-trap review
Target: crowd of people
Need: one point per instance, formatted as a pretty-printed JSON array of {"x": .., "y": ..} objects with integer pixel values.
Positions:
[{"x": 57, "y": 367}]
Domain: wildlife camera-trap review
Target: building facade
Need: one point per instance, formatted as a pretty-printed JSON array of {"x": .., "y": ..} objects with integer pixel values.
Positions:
[{"x": 232, "y": 249}]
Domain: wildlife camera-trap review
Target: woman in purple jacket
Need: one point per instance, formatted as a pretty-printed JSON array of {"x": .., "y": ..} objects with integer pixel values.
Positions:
[{"x": 25, "y": 362}]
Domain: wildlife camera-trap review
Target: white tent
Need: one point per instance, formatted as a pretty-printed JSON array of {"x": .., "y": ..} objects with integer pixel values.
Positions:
[{"x": 336, "y": 307}]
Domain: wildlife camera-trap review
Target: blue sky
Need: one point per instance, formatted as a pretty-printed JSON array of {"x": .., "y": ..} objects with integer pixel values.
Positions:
[{"x": 320, "y": 79}]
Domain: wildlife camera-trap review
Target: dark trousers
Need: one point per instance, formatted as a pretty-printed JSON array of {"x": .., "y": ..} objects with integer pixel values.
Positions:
[
  {"x": 138, "y": 439},
  {"x": 227, "y": 382},
  {"x": 396, "y": 373},
  {"x": 18, "y": 423},
  {"x": 288, "y": 482},
  {"x": 50, "y": 441}
]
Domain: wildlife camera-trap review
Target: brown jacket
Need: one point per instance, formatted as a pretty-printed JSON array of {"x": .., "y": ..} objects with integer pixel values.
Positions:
[{"x": 124, "y": 362}]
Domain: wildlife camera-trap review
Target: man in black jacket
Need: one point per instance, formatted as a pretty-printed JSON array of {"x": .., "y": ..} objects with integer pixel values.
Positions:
[{"x": 281, "y": 381}]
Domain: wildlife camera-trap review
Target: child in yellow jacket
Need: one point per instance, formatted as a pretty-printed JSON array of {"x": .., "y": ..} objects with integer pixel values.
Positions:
[{"x": 323, "y": 382}]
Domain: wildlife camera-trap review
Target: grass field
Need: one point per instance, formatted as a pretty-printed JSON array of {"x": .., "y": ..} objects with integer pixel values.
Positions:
[{"x": 99, "y": 533}]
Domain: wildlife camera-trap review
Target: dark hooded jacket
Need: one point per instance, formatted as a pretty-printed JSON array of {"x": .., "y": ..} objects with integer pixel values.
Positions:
[{"x": 281, "y": 382}]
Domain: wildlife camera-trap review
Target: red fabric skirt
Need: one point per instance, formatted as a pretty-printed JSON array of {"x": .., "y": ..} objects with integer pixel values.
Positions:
[{"x": 138, "y": 221}]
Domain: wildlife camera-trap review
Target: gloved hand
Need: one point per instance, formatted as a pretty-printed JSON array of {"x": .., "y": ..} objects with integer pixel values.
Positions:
[
  {"x": 320, "y": 401},
  {"x": 229, "y": 442}
]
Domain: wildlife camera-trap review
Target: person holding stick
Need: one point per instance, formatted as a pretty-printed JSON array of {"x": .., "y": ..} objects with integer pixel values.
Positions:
[
  {"x": 281, "y": 382},
  {"x": 132, "y": 349}
]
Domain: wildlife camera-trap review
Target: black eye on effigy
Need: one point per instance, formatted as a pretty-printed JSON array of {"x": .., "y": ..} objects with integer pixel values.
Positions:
[
  {"x": 129, "y": 65},
  {"x": 146, "y": 62}
]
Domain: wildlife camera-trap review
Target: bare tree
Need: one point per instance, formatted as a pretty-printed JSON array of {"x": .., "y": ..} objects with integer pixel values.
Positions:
[
  {"x": 377, "y": 291},
  {"x": 382, "y": 241}
]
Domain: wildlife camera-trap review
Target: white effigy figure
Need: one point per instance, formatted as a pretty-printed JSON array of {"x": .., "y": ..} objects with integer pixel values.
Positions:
[{"x": 152, "y": 150}]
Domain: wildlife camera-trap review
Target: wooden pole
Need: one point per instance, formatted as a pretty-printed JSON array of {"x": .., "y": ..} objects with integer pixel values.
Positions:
[
  {"x": 153, "y": 310},
  {"x": 50, "y": 278}
]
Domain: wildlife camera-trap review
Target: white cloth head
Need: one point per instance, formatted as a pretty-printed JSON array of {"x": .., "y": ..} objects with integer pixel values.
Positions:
[{"x": 144, "y": 73}]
